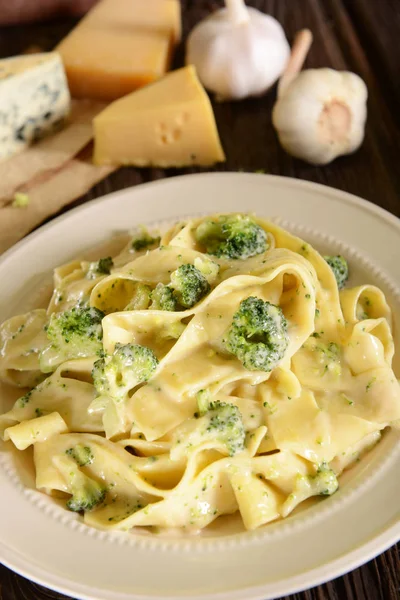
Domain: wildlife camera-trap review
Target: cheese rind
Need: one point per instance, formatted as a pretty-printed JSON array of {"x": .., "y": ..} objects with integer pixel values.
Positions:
[
  {"x": 167, "y": 124},
  {"x": 119, "y": 46},
  {"x": 34, "y": 99}
]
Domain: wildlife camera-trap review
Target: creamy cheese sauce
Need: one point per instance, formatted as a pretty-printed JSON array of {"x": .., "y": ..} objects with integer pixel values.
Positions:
[{"x": 284, "y": 436}]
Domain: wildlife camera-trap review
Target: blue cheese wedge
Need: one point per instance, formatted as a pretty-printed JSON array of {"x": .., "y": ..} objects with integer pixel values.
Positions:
[{"x": 34, "y": 99}]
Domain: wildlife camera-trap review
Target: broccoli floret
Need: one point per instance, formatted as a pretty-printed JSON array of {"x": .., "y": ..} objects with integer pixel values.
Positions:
[
  {"x": 208, "y": 268},
  {"x": 144, "y": 240},
  {"x": 215, "y": 423},
  {"x": 225, "y": 422},
  {"x": 105, "y": 265},
  {"x": 141, "y": 298},
  {"x": 258, "y": 335},
  {"x": 129, "y": 365},
  {"x": 325, "y": 481},
  {"x": 162, "y": 298},
  {"x": 232, "y": 237},
  {"x": 86, "y": 493},
  {"x": 99, "y": 376},
  {"x": 203, "y": 402},
  {"x": 75, "y": 333},
  {"x": 189, "y": 285},
  {"x": 82, "y": 455},
  {"x": 340, "y": 269},
  {"x": 100, "y": 267}
]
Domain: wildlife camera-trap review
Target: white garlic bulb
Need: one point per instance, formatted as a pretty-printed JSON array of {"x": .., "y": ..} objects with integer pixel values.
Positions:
[
  {"x": 320, "y": 114},
  {"x": 238, "y": 51}
]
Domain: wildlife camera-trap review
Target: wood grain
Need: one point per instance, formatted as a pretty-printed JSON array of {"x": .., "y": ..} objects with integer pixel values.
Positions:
[{"x": 360, "y": 35}]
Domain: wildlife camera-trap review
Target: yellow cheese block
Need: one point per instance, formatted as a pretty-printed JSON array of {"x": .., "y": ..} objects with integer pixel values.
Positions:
[
  {"x": 155, "y": 16},
  {"x": 167, "y": 124},
  {"x": 120, "y": 46}
]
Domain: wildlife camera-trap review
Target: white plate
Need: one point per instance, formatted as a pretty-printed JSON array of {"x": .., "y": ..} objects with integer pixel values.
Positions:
[{"x": 51, "y": 546}]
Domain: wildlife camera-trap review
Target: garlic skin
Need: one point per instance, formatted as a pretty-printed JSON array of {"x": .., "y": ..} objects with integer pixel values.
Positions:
[
  {"x": 321, "y": 115},
  {"x": 238, "y": 51}
]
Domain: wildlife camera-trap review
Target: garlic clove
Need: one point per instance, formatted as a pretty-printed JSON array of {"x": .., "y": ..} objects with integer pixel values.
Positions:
[{"x": 238, "y": 51}]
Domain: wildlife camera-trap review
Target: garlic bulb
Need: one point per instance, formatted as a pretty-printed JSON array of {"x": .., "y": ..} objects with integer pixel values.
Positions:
[
  {"x": 320, "y": 114},
  {"x": 238, "y": 51}
]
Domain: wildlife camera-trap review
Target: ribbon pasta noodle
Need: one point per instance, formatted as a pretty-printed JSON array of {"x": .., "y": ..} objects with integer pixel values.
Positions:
[{"x": 216, "y": 369}]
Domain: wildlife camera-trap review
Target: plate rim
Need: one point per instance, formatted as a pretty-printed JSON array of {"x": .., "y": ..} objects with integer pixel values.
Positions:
[
  {"x": 319, "y": 575},
  {"x": 341, "y": 195}
]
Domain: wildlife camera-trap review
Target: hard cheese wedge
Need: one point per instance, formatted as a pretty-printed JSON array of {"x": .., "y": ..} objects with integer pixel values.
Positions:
[
  {"x": 167, "y": 124},
  {"x": 158, "y": 16},
  {"x": 34, "y": 99},
  {"x": 119, "y": 46}
]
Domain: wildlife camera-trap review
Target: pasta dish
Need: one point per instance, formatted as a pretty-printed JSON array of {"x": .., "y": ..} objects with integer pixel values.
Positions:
[{"x": 224, "y": 367}]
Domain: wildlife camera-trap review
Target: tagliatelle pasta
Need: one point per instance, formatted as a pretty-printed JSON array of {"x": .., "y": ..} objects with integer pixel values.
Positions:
[{"x": 215, "y": 370}]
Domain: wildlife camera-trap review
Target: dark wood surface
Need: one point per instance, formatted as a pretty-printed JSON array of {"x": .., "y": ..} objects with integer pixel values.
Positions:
[{"x": 358, "y": 35}]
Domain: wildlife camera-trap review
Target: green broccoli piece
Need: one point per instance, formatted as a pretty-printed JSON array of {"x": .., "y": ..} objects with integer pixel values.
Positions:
[
  {"x": 325, "y": 481},
  {"x": 100, "y": 381},
  {"x": 258, "y": 335},
  {"x": 75, "y": 333},
  {"x": 203, "y": 402},
  {"x": 162, "y": 298},
  {"x": 225, "y": 423},
  {"x": 189, "y": 285},
  {"x": 141, "y": 298},
  {"x": 340, "y": 269},
  {"x": 105, "y": 265},
  {"x": 215, "y": 423},
  {"x": 100, "y": 267},
  {"x": 144, "y": 240},
  {"x": 208, "y": 268},
  {"x": 86, "y": 493},
  {"x": 129, "y": 365},
  {"x": 82, "y": 455},
  {"x": 232, "y": 237}
]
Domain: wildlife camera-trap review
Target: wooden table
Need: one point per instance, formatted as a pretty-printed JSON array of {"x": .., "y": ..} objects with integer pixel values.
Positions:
[{"x": 359, "y": 35}]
